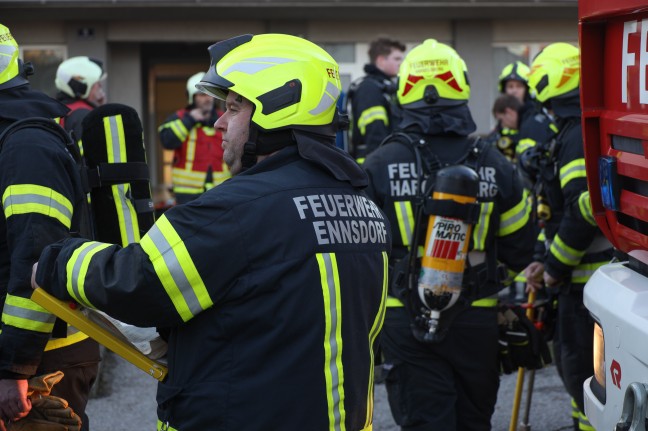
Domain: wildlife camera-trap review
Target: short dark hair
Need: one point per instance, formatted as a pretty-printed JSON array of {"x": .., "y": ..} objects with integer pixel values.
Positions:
[
  {"x": 383, "y": 46},
  {"x": 506, "y": 101}
]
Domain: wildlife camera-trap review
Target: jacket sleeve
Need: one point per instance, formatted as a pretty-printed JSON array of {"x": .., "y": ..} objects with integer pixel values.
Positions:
[
  {"x": 180, "y": 268},
  {"x": 371, "y": 115},
  {"x": 577, "y": 227},
  {"x": 515, "y": 235},
  {"x": 175, "y": 130},
  {"x": 38, "y": 198}
]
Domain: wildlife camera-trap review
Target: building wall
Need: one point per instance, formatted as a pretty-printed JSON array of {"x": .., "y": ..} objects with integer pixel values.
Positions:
[{"x": 119, "y": 42}]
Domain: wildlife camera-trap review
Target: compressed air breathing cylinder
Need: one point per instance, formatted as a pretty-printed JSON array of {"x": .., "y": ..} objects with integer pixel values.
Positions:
[{"x": 446, "y": 243}]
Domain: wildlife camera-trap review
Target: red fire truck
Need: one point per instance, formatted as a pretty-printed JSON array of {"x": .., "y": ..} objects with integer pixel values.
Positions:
[{"x": 614, "y": 98}]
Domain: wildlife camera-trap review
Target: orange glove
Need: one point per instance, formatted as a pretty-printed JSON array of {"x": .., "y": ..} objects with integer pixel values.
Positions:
[{"x": 48, "y": 413}]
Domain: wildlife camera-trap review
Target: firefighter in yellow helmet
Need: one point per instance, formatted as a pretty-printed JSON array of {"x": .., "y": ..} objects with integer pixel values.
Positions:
[
  {"x": 79, "y": 81},
  {"x": 42, "y": 201},
  {"x": 574, "y": 246},
  {"x": 434, "y": 381},
  {"x": 272, "y": 285},
  {"x": 197, "y": 147}
]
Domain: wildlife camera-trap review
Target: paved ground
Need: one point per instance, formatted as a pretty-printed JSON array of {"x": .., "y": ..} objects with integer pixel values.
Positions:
[{"x": 126, "y": 402}]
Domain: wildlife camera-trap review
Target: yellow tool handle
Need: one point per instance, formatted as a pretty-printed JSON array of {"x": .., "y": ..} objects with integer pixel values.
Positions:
[{"x": 102, "y": 335}]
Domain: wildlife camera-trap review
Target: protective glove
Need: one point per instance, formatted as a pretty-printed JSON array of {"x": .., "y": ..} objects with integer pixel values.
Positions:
[{"x": 48, "y": 413}]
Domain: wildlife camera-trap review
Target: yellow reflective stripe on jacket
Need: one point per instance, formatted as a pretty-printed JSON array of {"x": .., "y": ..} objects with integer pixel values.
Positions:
[
  {"x": 585, "y": 207},
  {"x": 77, "y": 268},
  {"x": 333, "y": 369},
  {"x": 515, "y": 218},
  {"x": 485, "y": 302},
  {"x": 368, "y": 116},
  {"x": 188, "y": 178},
  {"x": 394, "y": 302},
  {"x": 508, "y": 132},
  {"x": 572, "y": 170},
  {"x": 72, "y": 338},
  {"x": 190, "y": 154},
  {"x": 373, "y": 334},
  {"x": 35, "y": 199},
  {"x": 126, "y": 214},
  {"x": 524, "y": 144},
  {"x": 480, "y": 230},
  {"x": 405, "y": 218},
  {"x": 26, "y": 314},
  {"x": 177, "y": 127},
  {"x": 175, "y": 269},
  {"x": 164, "y": 426},
  {"x": 188, "y": 190},
  {"x": 564, "y": 253},
  {"x": 582, "y": 272}
]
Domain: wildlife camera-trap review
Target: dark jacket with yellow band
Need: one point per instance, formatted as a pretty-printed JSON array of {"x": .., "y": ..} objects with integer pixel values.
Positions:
[
  {"x": 272, "y": 287},
  {"x": 574, "y": 246},
  {"x": 504, "y": 224},
  {"x": 42, "y": 200}
]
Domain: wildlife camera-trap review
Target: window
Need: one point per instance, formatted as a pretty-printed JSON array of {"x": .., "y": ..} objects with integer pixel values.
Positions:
[{"x": 45, "y": 59}]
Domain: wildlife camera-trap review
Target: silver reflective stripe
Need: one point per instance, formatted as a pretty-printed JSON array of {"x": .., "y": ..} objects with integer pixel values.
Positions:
[
  {"x": 24, "y": 313},
  {"x": 33, "y": 198},
  {"x": 175, "y": 269},
  {"x": 332, "y": 312},
  {"x": 117, "y": 158},
  {"x": 78, "y": 264},
  {"x": 7, "y": 49},
  {"x": 327, "y": 99},
  {"x": 254, "y": 65}
]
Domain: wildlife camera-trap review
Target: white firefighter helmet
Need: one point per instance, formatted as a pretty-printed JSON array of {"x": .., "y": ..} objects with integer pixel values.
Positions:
[
  {"x": 191, "y": 85},
  {"x": 76, "y": 76}
]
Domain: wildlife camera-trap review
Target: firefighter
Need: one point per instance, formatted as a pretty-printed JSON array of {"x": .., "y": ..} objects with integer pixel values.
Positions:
[
  {"x": 372, "y": 97},
  {"x": 272, "y": 286},
  {"x": 440, "y": 384},
  {"x": 42, "y": 200},
  {"x": 575, "y": 247},
  {"x": 533, "y": 124},
  {"x": 79, "y": 81},
  {"x": 198, "y": 154}
]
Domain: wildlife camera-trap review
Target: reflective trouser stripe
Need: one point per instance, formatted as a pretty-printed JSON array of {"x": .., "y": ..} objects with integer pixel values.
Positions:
[
  {"x": 584, "y": 423},
  {"x": 333, "y": 369},
  {"x": 35, "y": 199},
  {"x": 23, "y": 313},
  {"x": 126, "y": 214},
  {"x": 375, "y": 330},
  {"x": 175, "y": 269}
]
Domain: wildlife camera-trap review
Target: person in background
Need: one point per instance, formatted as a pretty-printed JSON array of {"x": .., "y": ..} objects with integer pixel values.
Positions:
[
  {"x": 197, "y": 146},
  {"x": 373, "y": 108},
  {"x": 447, "y": 381},
  {"x": 79, "y": 81},
  {"x": 271, "y": 286},
  {"x": 42, "y": 200}
]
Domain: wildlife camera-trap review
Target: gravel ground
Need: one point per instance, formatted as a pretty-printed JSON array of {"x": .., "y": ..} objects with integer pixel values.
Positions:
[{"x": 125, "y": 401}]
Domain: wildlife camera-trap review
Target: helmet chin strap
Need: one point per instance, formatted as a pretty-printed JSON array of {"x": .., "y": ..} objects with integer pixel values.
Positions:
[{"x": 261, "y": 143}]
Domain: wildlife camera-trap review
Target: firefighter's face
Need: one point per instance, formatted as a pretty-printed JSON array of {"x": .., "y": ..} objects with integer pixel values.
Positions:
[
  {"x": 234, "y": 125},
  {"x": 204, "y": 102},
  {"x": 390, "y": 64},
  {"x": 508, "y": 118},
  {"x": 97, "y": 95},
  {"x": 516, "y": 89}
]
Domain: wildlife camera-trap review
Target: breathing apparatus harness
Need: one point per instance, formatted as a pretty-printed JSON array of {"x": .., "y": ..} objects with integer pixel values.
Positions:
[{"x": 479, "y": 281}]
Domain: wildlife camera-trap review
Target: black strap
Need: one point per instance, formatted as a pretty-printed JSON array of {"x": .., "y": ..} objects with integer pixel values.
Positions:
[{"x": 107, "y": 174}]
